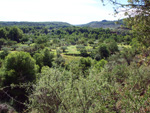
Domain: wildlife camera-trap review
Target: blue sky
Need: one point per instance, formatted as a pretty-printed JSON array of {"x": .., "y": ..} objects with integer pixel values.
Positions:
[{"x": 71, "y": 11}]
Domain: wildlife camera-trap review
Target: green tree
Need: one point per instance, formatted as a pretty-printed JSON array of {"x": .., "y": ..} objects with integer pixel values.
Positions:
[
  {"x": 2, "y": 42},
  {"x": 41, "y": 40},
  {"x": 112, "y": 46},
  {"x": 83, "y": 52},
  {"x": 15, "y": 34},
  {"x": 64, "y": 48},
  {"x": 85, "y": 64},
  {"x": 48, "y": 58},
  {"x": 20, "y": 68},
  {"x": 4, "y": 53},
  {"x": 3, "y": 33},
  {"x": 39, "y": 59},
  {"x": 103, "y": 51}
]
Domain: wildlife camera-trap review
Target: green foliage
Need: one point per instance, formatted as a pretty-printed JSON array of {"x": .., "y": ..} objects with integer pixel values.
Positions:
[
  {"x": 100, "y": 64},
  {"x": 41, "y": 40},
  {"x": 39, "y": 59},
  {"x": 128, "y": 55},
  {"x": 2, "y": 42},
  {"x": 20, "y": 67},
  {"x": 4, "y": 53},
  {"x": 61, "y": 94},
  {"x": 68, "y": 82},
  {"x": 46, "y": 89},
  {"x": 3, "y": 33},
  {"x": 15, "y": 34},
  {"x": 64, "y": 48},
  {"x": 83, "y": 52},
  {"x": 60, "y": 61},
  {"x": 124, "y": 88},
  {"x": 129, "y": 88},
  {"x": 79, "y": 47},
  {"x": 85, "y": 64},
  {"x": 101, "y": 52},
  {"x": 138, "y": 18},
  {"x": 112, "y": 46},
  {"x": 48, "y": 58},
  {"x": 10, "y": 42}
]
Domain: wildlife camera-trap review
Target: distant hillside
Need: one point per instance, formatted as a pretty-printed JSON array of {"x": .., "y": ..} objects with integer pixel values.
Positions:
[
  {"x": 51, "y": 25},
  {"x": 103, "y": 24},
  {"x": 48, "y": 24}
]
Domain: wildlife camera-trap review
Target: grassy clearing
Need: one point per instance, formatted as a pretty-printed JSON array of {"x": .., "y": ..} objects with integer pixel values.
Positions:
[
  {"x": 72, "y": 50},
  {"x": 69, "y": 58},
  {"x": 88, "y": 47},
  {"x": 120, "y": 46},
  {"x": 124, "y": 46}
]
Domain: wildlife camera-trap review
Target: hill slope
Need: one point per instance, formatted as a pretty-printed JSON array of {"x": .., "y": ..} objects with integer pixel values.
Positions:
[
  {"x": 103, "y": 24},
  {"x": 48, "y": 24}
]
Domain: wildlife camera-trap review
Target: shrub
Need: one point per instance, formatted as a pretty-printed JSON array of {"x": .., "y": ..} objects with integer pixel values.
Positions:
[
  {"x": 83, "y": 52},
  {"x": 100, "y": 64},
  {"x": 60, "y": 61},
  {"x": 56, "y": 92},
  {"x": 39, "y": 59},
  {"x": 85, "y": 64},
  {"x": 48, "y": 58},
  {"x": 103, "y": 51},
  {"x": 4, "y": 53}
]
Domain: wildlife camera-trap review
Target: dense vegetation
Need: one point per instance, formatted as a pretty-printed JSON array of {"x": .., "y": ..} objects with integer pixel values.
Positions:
[{"x": 73, "y": 69}]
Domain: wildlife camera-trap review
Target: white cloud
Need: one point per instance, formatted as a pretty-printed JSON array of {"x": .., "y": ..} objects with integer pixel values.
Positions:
[{"x": 72, "y": 11}]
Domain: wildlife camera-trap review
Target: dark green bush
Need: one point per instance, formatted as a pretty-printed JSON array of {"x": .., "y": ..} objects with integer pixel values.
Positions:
[{"x": 48, "y": 58}]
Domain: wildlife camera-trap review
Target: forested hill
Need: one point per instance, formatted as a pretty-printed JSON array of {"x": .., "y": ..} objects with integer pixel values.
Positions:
[
  {"x": 103, "y": 24},
  {"x": 46, "y": 24},
  {"x": 51, "y": 25}
]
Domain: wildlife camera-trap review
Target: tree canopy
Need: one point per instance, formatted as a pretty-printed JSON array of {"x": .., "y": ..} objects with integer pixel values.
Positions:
[{"x": 20, "y": 67}]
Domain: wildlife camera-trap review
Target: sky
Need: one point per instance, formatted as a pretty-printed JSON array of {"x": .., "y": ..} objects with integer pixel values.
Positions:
[{"x": 71, "y": 11}]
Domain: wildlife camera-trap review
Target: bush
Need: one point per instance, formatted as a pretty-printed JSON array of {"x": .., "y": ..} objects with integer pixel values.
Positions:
[
  {"x": 60, "y": 61},
  {"x": 45, "y": 97},
  {"x": 39, "y": 60},
  {"x": 100, "y": 64},
  {"x": 4, "y": 53},
  {"x": 85, "y": 64},
  {"x": 48, "y": 58},
  {"x": 122, "y": 89},
  {"x": 57, "y": 92},
  {"x": 103, "y": 51},
  {"x": 83, "y": 52},
  {"x": 113, "y": 47}
]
